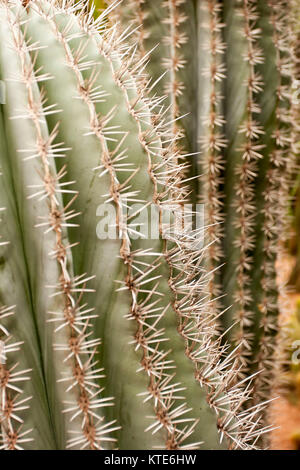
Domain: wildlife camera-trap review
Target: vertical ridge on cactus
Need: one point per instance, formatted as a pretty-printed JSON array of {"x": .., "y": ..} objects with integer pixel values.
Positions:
[
  {"x": 246, "y": 171},
  {"x": 211, "y": 135},
  {"x": 173, "y": 40}
]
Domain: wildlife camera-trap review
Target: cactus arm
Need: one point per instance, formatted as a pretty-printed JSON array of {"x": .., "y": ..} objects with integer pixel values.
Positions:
[
  {"x": 294, "y": 209},
  {"x": 245, "y": 203},
  {"x": 250, "y": 106}
]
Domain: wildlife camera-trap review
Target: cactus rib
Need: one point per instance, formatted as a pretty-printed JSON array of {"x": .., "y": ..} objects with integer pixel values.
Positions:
[
  {"x": 213, "y": 141},
  {"x": 79, "y": 347}
]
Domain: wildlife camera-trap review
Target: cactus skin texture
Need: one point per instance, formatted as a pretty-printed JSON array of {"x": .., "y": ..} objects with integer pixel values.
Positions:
[
  {"x": 238, "y": 90},
  {"x": 78, "y": 129}
]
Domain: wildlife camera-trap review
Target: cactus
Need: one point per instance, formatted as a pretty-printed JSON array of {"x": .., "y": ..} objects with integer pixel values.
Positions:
[
  {"x": 231, "y": 65},
  {"x": 122, "y": 341},
  {"x": 78, "y": 129}
]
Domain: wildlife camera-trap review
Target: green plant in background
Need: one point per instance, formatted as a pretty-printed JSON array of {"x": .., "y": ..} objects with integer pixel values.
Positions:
[
  {"x": 79, "y": 133},
  {"x": 231, "y": 66}
]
